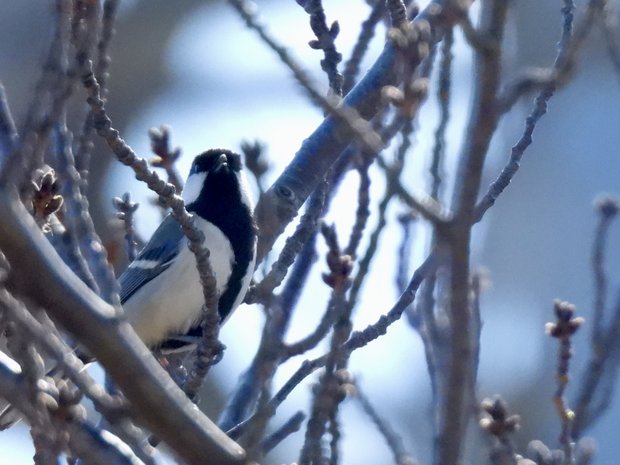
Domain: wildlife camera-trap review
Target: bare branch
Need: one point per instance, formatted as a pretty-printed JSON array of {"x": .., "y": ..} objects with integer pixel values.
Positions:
[
  {"x": 367, "y": 31},
  {"x": 496, "y": 422},
  {"x": 165, "y": 157},
  {"x": 565, "y": 326},
  {"x": 293, "y": 245},
  {"x": 291, "y": 426},
  {"x": 326, "y": 41},
  {"x": 106, "y": 33},
  {"x": 80, "y": 222},
  {"x": 126, "y": 210},
  {"x": 393, "y": 439},
  {"x": 443, "y": 95},
  {"x": 562, "y": 61}
]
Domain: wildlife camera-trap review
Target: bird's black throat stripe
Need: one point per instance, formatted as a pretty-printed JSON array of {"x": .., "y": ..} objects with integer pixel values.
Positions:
[{"x": 220, "y": 203}]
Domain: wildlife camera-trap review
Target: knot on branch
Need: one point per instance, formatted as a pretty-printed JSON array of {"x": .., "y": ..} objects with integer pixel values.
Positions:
[
  {"x": 46, "y": 199},
  {"x": 346, "y": 382},
  {"x": 125, "y": 207},
  {"x": 326, "y": 41},
  {"x": 60, "y": 399},
  {"x": 408, "y": 99},
  {"x": 69, "y": 398},
  {"x": 566, "y": 324},
  {"x": 160, "y": 145},
  {"x": 496, "y": 420},
  {"x": 340, "y": 265},
  {"x": 607, "y": 205},
  {"x": 411, "y": 40}
]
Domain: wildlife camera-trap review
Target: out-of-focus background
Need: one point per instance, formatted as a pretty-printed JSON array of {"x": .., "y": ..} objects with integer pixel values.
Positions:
[{"x": 193, "y": 65}]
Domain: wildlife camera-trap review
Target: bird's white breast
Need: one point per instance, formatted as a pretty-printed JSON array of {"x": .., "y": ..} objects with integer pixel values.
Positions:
[{"x": 172, "y": 302}]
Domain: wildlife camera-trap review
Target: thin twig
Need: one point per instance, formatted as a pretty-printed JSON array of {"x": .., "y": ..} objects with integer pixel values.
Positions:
[
  {"x": 444, "y": 96},
  {"x": 101, "y": 70},
  {"x": 334, "y": 432},
  {"x": 373, "y": 243},
  {"x": 406, "y": 221},
  {"x": 256, "y": 162},
  {"x": 165, "y": 157},
  {"x": 599, "y": 377},
  {"x": 540, "y": 108},
  {"x": 398, "y": 12},
  {"x": 609, "y": 25},
  {"x": 48, "y": 102},
  {"x": 312, "y": 340},
  {"x": 608, "y": 208},
  {"x": 393, "y": 439},
  {"x": 325, "y": 40},
  {"x": 426, "y": 205},
  {"x": 293, "y": 245},
  {"x": 549, "y": 80},
  {"x": 125, "y": 212},
  {"x": 291, "y": 426},
  {"x": 80, "y": 222},
  {"x": 498, "y": 423},
  {"x": 367, "y": 31},
  {"x": 563, "y": 328},
  {"x": 362, "y": 213},
  {"x": 329, "y": 391}
]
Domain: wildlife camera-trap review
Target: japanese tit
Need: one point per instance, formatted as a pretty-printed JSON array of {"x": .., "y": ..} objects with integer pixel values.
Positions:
[{"x": 161, "y": 293}]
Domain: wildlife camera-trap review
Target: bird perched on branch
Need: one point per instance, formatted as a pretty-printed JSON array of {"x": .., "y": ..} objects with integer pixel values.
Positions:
[{"x": 161, "y": 292}]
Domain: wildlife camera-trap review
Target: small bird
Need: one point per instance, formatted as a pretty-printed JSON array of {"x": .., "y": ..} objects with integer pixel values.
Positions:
[{"x": 161, "y": 293}]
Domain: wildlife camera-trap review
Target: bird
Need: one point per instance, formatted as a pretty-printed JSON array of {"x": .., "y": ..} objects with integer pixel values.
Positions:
[{"x": 160, "y": 291}]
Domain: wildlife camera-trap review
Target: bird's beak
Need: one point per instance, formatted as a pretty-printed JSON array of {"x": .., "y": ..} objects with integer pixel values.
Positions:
[{"x": 220, "y": 163}]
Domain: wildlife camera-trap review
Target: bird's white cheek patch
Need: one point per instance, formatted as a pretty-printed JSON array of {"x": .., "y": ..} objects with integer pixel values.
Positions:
[
  {"x": 193, "y": 186},
  {"x": 244, "y": 190}
]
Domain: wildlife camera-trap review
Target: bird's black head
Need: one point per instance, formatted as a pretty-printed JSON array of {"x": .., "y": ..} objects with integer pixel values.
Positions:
[
  {"x": 214, "y": 160},
  {"x": 215, "y": 177}
]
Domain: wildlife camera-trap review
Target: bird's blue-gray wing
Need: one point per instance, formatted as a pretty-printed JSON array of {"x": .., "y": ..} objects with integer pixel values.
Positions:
[{"x": 155, "y": 257}]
